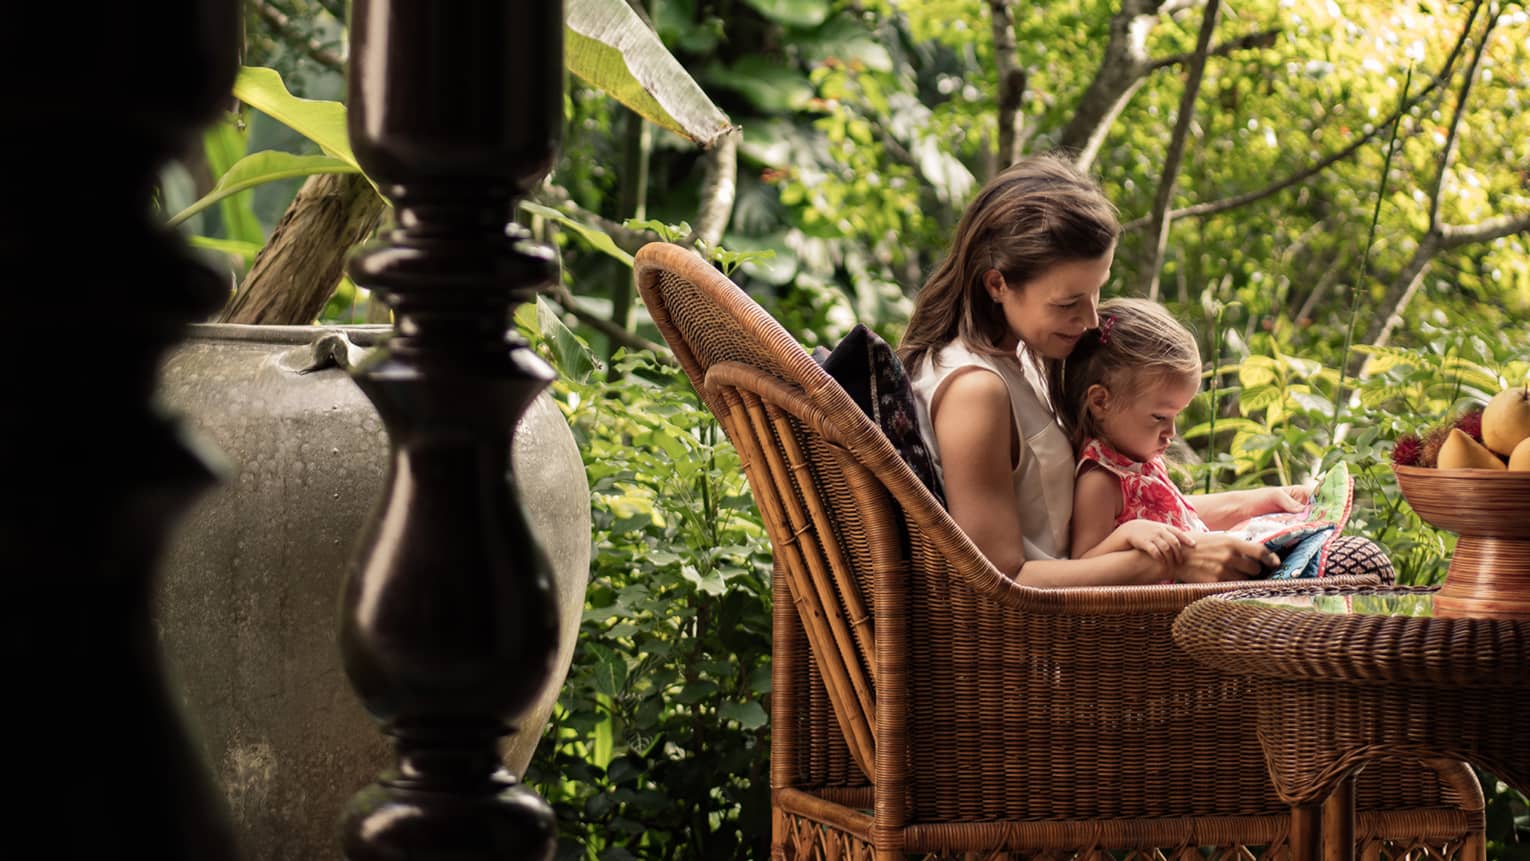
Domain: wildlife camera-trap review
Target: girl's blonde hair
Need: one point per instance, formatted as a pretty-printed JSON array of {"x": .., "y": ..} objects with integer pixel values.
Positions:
[
  {"x": 1032, "y": 215},
  {"x": 1137, "y": 344}
]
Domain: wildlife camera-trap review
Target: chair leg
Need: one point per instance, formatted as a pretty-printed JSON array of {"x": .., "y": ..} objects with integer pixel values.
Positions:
[
  {"x": 1307, "y": 832},
  {"x": 1339, "y": 822}
]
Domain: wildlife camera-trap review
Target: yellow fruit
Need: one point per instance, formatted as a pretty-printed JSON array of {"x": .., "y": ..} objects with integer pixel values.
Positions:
[
  {"x": 1462, "y": 452},
  {"x": 1506, "y": 419},
  {"x": 1519, "y": 459}
]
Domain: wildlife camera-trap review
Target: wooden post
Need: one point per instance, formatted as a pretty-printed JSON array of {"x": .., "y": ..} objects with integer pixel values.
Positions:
[
  {"x": 96, "y": 291},
  {"x": 448, "y": 629}
]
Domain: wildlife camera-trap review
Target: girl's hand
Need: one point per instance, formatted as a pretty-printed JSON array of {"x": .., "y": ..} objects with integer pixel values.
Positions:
[
  {"x": 1293, "y": 497},
  {"x": 1161, "y": 541},
  {"x": 1217, "y": 557}
]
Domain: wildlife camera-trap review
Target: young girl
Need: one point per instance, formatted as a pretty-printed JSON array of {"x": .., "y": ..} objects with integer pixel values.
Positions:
[{"x": 1118, "y": 395}]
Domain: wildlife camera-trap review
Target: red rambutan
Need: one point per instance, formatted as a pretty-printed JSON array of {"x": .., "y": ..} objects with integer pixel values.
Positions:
[
  {"x": 1407, "y": 450},
  {"x": 1470, "y": 423},
  {"x": 1429, "y": 451}
]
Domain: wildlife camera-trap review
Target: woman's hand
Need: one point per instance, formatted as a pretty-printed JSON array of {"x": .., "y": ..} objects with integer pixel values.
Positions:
[
  {"x": 1161, "y": 541},
  {"x": 1216, "y": 558}
]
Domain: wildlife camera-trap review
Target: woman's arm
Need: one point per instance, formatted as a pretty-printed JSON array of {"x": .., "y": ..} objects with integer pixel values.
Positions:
[
  {"x": 1231, "y": 507},
  {"x": 974, "y": 433},
  {"x": 1214, "y": 558}
]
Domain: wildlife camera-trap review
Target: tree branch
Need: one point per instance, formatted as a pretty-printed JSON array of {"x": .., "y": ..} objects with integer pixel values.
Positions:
[
  {"x": 1401, "y": 291},
  {"x": 1011, "y": 82},
  {"x": 1201, "y": 210},
  {"x": 1455, "y": 236},
  {"x": 1261, "y": 39},
  {"x": 1121, "y": 73},
  {"x": 1449, "y": 150},
  {"x": 1176, "y": 151},
  {"x": 719, "y": 188},
  {"x": 283, "y": 24},
  {"x": 557, "y": 197},
  {"x": 560, "y": 296}
]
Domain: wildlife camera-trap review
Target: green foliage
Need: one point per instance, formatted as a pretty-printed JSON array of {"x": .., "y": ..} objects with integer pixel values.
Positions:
[
  {"x": 659, "y": 745},
  {"x": 1274, "y": 424},
  {"x": 664, "y": 714}
]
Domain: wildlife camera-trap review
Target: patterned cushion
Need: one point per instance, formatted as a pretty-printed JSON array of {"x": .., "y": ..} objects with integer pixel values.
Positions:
[{"x": 868, "y": 369}]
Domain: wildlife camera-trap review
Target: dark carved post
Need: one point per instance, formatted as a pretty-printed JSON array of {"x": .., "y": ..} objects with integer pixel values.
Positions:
[
  {"x": 95, "y": 291},
  {"x": 449, "y": 625}
]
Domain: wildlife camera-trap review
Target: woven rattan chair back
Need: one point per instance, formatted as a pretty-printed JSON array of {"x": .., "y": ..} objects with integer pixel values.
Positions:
[{"x": 923, "y": 701}]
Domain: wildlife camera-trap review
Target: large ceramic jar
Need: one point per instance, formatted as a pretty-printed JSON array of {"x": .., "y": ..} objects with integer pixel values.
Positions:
[{"x": 249, "y": 608}]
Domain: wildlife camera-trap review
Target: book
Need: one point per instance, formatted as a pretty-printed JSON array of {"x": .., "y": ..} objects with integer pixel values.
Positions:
[{"x": 1301, "y": 538}]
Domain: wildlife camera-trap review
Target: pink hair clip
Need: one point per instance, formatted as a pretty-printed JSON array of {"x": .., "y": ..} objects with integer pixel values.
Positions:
[{"x": 1107, "y": 323}]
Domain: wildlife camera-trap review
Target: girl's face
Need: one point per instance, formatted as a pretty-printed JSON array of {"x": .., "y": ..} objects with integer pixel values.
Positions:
[
  {"x": 1051, "y": 312},
  {"x": 1139, "y": 421}
]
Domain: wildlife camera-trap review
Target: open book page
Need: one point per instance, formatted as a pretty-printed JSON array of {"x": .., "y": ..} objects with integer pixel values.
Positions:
[
  {"x": 1329, "y": 506},
  {"x": 1299, "y": 537}
]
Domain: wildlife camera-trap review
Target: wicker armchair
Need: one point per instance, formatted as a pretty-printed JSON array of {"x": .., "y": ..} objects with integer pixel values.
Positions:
[{"x": 925, "y": 703}]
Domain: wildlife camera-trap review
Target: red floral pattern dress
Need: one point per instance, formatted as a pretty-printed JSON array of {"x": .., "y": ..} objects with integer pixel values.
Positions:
[{"x": 1147, "y": 493}]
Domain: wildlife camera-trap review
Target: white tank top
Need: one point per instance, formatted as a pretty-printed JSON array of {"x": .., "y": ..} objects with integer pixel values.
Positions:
[{"x": 1043, "y": 479}]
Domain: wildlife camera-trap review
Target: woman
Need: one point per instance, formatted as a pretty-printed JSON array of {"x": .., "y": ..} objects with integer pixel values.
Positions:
[{"x": 1017, "y": 291}]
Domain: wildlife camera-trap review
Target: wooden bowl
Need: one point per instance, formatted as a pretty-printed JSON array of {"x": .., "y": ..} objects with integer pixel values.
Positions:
[{"x": 1489, "y": 511}]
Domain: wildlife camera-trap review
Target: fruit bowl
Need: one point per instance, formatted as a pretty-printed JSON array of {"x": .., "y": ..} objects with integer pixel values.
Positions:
[{"x": 1489, "y": 511}]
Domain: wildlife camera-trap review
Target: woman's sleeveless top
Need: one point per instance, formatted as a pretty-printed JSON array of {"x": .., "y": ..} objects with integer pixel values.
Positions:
[
  {"x": 1147, "y": 492},
  {"x": 1043, "y": 477}
]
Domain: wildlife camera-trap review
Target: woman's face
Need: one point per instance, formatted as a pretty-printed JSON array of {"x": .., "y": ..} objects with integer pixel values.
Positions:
[{"x": 1052, "y": 311}]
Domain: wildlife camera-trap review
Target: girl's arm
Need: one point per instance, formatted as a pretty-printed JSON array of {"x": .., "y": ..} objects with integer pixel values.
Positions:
[
  {"x": 1231, "y": 507},
  {"x": 1096, "y": 507}
]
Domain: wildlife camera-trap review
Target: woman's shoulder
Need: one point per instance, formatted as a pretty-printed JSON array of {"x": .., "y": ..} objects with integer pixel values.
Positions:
[{"x": 946, "y": 361}]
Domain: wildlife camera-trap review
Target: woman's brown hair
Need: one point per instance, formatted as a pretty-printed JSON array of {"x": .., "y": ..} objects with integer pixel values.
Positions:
[{"x": 1036, "y": 213}]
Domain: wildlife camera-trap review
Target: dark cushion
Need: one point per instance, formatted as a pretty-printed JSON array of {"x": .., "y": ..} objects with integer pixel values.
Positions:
[{"x": 868, "y": 369}]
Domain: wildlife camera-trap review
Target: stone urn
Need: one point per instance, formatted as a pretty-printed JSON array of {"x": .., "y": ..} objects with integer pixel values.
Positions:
[{"x": 249, "y": 604}]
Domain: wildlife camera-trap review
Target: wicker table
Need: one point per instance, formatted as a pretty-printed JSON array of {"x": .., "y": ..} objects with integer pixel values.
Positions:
[{"x": 1345, "y": 675}]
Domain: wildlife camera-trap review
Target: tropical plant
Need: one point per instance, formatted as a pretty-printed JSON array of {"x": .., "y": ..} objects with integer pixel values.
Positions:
[
  {"x": 606, "y": 44},
  {"x": 659, "y": 745}
]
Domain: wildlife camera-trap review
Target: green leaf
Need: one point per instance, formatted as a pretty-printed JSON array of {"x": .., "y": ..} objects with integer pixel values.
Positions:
[
  {"x": 771, "y": 87},
  {"x": 749, "y": 715},
  {"x": 610, "y": 674},
  {"x": 608, "y": 45},
  {"x": 322, "y": 122},
  {"x": 598, "y": 239},
  {"x": 805, "y": 14},
  {"x": 572, "y": 357},
  {"x": 1256, "y": 398},
  {"x": 1257, "y": 371},
  {"x": 225, "y": 145},
  {"x": 1224, "y": 424},
  {"x": 847, "y": 40},
  {"x": 247, "y": 250},
  {"x": 263, "y": 167}
]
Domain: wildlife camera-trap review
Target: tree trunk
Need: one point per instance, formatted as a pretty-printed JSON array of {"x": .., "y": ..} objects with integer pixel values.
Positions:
[
  {"x": 1122, "y": 71},
  {"x": 719, "y": 188},
  {"x": 300, "y": 266},
  {"x": 1011, "y": 82},
  {"x": 1171, "y": 160}
]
